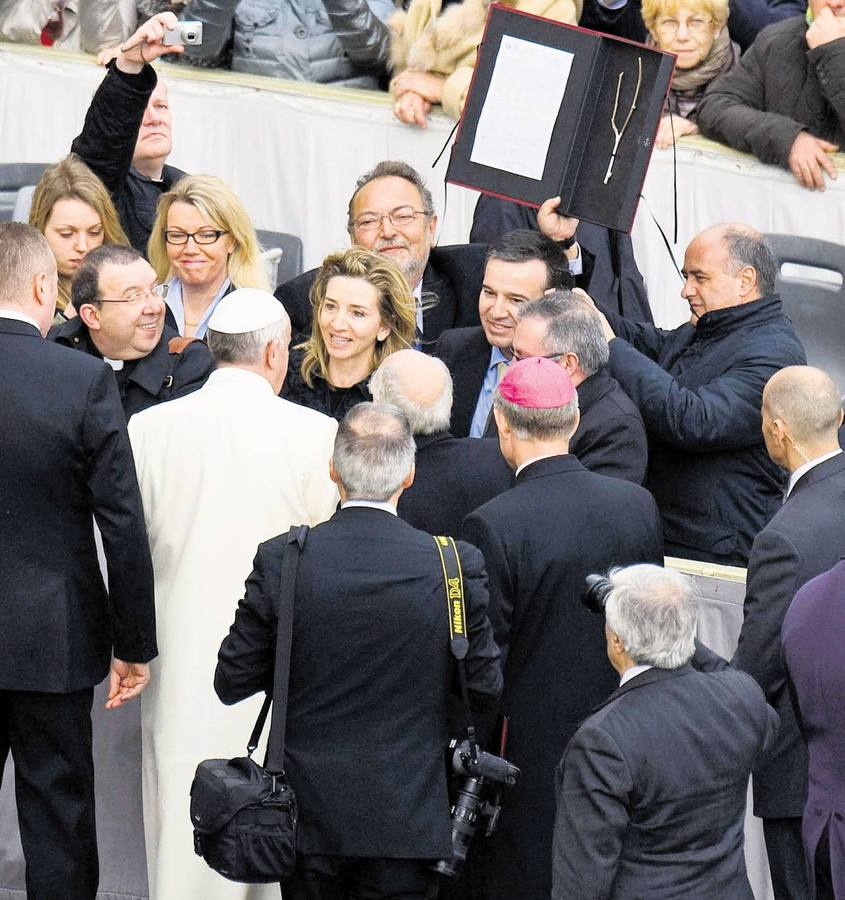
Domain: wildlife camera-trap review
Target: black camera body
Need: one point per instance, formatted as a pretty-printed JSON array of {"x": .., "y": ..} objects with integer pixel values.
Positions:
[{"x": 477, "y": 798}]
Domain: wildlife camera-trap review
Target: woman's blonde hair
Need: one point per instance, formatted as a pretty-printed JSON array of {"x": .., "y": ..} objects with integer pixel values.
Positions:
[
  {"x": 219, "y": 204},
  {"x": 397, "y": 309},
  {"x": 71, "y": 178},
  {"x": 652, "y": 10}
]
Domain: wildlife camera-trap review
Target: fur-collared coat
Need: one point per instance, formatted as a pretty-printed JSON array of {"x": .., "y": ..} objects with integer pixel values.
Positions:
[{"x": 426, "y": 41}]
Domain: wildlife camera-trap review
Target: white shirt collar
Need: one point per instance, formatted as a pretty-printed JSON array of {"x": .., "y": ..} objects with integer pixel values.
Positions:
[
  {"x": 533, "y": 460},
  {"x": 802, "y": 470},
  {"x": 6, "y": 313},
  {"x": 632, "y": 673},
  {"x": 372, "y": 504}
]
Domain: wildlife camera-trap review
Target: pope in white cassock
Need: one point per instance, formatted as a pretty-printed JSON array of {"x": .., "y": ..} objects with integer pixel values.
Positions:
[{"x": 220, "y": 470}]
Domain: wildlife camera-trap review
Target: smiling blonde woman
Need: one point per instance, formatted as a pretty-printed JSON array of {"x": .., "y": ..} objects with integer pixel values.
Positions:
[{"x": 363, "y": 312}]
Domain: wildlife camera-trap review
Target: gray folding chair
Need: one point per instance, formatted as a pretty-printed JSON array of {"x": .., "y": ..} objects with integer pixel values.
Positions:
[
  {"x": 290, "y": 265},
  {"x": 14, "y": 176},
  {"x": 811, "y": 284}
]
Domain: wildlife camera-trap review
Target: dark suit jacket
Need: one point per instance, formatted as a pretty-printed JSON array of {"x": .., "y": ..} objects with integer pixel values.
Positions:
[
  {"x": 453, "y": 477},
  {"x": 610, "y": 438},
  {"x": 467, "y": 356},
  {"x": 651, "y": 790},
  {"x": 370, "y": 675},
  {"x": 804, "y": 539},
  {"x": 451, "y": 285},
  {"x": 159, "y": 376},
  {"x": 540, "y": 539},
  {"x": 814, "y": 653},
  {"x": 66, "y": 460}
]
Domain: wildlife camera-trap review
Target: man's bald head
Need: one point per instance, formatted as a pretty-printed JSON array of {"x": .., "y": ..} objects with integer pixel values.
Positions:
[
  {"x": 727, "y": 265},
  {"x": 419, "y": 385},
  {"x": 808, "y": 403}
]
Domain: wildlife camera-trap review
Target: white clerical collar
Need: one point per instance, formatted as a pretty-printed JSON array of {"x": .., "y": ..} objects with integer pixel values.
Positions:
[
  {"x": 802, "y": 470},
  {"x": 533, "y": 459},
  {"x": 632, "y": 673},
  {"x": 19, "y": 317},
  {"x": 372, "y": 504},
  {"x": 116, "y": 364}
]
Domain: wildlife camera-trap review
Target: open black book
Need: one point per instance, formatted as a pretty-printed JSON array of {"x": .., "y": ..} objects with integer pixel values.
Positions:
[{"x": 558, "y": 110}]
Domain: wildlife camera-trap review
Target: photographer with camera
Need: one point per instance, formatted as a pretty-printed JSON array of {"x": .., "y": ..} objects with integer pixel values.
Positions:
[
  {"x": 126, "y": 138},
  {"x": 651, "y": 790},
  {"x": 540, "y": 539},
  {"x": 370, "y": 673}
]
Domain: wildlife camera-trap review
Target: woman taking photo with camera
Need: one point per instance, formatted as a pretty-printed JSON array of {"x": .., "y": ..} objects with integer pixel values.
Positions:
[
  {"x": 363, "y": 312},
  {"x": 72, "y": 209},
  {"x": 204, "y": 246}
]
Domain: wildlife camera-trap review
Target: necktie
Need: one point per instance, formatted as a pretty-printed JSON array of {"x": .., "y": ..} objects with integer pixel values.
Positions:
[{"x": 501, "y": 368}]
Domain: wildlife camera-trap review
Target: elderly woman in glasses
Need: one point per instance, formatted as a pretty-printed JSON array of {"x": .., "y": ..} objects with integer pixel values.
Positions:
[
  {"x": 203, "y": 246},
  {"x": 363, "y": 312},
  {"x": 695, "y": 31}
]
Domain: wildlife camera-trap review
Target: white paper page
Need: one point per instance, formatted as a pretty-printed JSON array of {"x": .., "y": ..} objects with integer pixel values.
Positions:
[{"x": 522, "y": 103}]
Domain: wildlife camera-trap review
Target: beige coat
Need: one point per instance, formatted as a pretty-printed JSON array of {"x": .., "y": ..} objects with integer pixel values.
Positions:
[
  {"x": 425, "y": 41},
  {"x": 220, "y": 471}
]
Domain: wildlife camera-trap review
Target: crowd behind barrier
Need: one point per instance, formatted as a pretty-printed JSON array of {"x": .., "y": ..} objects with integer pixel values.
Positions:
[{"x": 292, "y": 152}]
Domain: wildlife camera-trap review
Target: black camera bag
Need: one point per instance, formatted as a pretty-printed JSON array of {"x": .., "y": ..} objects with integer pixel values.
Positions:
[{"x": 244, "y": 815}]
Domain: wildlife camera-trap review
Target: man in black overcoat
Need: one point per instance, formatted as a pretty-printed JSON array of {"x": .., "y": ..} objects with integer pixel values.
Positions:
[
  {"x": 699, "y": 389},
  {"x": 540, "y": 539},
  {"x": 652, "y": 788},
  {"x": 370, "y": 675},
  {"x": 801, "y": 415},
  {"x": 610, "y": 438},
  {"x": 121, "y": 318},
  {"x": 520, "y": 267},
  {"x": 126, "y": 138},
  {"x": 453, "y": 476},
  {"x": 66, "y": 462}
]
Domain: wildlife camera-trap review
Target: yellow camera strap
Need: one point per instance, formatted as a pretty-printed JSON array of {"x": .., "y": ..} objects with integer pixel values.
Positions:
[{"x": 453, "y": 581}]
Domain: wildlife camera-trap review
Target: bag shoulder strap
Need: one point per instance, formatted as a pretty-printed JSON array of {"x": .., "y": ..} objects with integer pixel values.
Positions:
[
  {"x": 175, "y": 346},
  {"x": 453, "y": 580},
  {"x": 274, "y": 760}
]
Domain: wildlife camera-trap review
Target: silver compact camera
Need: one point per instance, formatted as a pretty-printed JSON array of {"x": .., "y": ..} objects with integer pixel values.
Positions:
[{"x": 183, "y": 33}]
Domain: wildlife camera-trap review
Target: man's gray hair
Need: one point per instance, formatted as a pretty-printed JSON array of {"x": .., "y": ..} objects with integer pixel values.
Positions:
[
  {"x": 24, "y": 253},
  {"x": 373, "y": 451},
  {"x": 655, "y": 613},
  {"x": 424, "y": 418},
  {"x": 572, "y": 326},
  {"x": 246, "y": 348},
  {"x": 750, "y": 248},
  {"x": 393, "y": 168},
  {"x": 557, "y": 423}
]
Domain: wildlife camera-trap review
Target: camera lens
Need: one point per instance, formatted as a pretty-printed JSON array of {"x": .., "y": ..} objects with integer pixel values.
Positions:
[{"x": 190, "y": 36}]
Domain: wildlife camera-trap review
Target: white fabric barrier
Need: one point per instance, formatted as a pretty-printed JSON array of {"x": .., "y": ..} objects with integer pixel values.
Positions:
[
  {"x": 292, "y": 152},
  {"x": 722, "y": 592}
]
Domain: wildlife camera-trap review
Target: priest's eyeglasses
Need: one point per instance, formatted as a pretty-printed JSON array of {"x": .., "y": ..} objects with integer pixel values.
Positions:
[
  {"x": 401, "y": 217},
  {"x": 158, "y": 290},
  {"x": 697, "y": 26},
  {"x": 203, "y": 236}
]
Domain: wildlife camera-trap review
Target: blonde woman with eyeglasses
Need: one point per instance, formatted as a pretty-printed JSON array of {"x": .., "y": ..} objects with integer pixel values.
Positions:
[
  {"x": 203, "y": 246},
  {"x": 696, "y": 32}
]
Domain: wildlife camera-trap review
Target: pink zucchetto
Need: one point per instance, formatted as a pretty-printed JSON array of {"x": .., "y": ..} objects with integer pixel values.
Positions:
[{"x": 537, "y": 383}]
